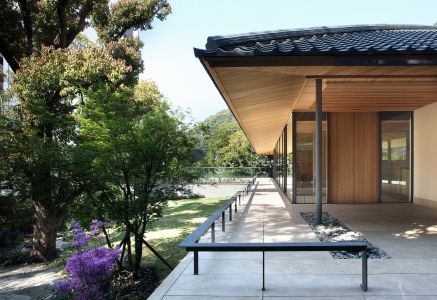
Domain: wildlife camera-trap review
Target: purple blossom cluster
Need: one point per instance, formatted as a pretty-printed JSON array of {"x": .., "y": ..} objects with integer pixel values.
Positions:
[
  {"x": 96, "y": 226},
  {"x": 89, "y": 268}
]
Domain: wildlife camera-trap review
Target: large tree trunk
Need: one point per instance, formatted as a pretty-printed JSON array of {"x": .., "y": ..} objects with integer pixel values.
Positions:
[
  {"x": 45, "y": 228},
  {"x": 48, "y": 215}
]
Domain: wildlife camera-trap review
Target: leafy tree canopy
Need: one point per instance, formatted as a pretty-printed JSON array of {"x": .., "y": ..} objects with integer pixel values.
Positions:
[
  {"x": 222, "y": 143},
  {"x": 56, "y": 68},
  {"x": 138, "y": 151},
  {"x": 28, "y": 25}
]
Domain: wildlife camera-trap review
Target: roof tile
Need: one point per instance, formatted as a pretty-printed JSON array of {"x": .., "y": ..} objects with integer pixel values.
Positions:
[{"x": 372, "y": 39}]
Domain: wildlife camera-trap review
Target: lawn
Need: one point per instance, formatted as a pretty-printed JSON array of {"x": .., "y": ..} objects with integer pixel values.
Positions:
[{"x": 181, "y": 217}]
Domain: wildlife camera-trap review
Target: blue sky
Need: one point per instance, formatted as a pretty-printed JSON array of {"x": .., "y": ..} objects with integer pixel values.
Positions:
[{"x": 168, "y": 51}]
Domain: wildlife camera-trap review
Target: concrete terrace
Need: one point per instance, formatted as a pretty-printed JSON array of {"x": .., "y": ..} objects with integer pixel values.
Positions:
[{"x": 407, "y": 232}]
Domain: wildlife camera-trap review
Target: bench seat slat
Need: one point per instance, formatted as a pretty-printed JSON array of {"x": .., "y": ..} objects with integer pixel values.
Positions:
[{"x": 259, "y": 247}]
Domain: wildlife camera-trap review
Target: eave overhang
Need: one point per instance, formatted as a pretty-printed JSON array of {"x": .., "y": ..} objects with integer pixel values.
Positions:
[{"x": 263, "y": 88}]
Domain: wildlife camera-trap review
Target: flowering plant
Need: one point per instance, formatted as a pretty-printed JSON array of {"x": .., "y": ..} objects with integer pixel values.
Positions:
[{"x": 89, "y": 268}]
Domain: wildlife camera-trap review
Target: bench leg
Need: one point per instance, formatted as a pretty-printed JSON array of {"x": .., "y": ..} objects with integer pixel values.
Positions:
[
  {"x": 223, "y": 221},
  {"x": 196, "y": 263},
  {"x": 364, "y": 271},
  {"x": 213, "y": 232},
  {"x": 264, "y": 280}
]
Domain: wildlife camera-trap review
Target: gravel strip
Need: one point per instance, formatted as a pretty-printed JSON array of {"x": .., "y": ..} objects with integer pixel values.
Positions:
[{"x": 333, "y": 230}]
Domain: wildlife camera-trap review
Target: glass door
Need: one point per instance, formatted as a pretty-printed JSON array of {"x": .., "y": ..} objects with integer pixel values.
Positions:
[
  {"x": 396, "y": 157},
  {"x": 305, "y": 157}
]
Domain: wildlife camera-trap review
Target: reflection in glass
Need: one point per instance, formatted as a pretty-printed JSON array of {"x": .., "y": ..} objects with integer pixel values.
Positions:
[
  {"x": 395, "y": 157},
  {"x": 289, "y": 160},
  {"x": 305, "y": 157}
]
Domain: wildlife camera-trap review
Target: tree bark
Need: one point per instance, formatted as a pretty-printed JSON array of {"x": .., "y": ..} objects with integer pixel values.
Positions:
[
  {"x": 45, "y": 228},
  {"x": 138, "y": 254},
  {"x": 129, "y": 253}
]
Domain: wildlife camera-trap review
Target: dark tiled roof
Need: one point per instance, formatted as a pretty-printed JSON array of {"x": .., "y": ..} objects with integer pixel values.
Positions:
[{"x": 345, "y": 40}]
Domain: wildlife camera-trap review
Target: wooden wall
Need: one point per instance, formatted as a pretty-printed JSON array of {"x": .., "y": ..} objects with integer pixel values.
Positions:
[{"x": 353, "y": 157}]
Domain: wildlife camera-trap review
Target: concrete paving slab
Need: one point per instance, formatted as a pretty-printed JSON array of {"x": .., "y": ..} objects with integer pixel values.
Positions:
[
  {"x": 212, "y": 285},
  {"x": 399, "y": 297},
  {"x": 210, "y": 298},
  {"x": 315, "y": 298}
]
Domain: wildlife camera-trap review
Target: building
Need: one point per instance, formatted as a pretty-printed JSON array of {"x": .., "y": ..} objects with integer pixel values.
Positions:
[{"x": 348, "y": 111}]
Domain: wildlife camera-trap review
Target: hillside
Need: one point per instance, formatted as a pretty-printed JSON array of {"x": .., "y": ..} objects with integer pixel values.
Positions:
[{"x": 223, "y": 116}]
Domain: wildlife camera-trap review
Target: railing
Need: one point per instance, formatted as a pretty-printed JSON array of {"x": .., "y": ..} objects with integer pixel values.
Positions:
[
  {"x": 191, "y": 243},
  {"x": 228, "y": 174}
]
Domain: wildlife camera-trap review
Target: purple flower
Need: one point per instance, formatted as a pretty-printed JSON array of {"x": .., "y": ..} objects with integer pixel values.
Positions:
[
  {"x": 80, "y": 238},
  {"x": 96, "y": 226},
  {"x": 89, "y": 269}
]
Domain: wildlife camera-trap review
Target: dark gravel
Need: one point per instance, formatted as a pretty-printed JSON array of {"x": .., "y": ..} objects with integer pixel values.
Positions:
[{"x": 333, "y": 230}]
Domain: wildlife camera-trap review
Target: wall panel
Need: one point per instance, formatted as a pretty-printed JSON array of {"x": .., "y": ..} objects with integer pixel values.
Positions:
[
  {"x": 340, "y": 155},
  {"x": 353, "y": 157}
]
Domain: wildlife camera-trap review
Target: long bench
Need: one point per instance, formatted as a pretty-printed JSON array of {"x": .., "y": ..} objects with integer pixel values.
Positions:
[{"x": 352, "y": 246}]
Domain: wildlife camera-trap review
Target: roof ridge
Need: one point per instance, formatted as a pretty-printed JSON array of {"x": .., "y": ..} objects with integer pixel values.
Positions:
[{"x": 215, "y": 42}]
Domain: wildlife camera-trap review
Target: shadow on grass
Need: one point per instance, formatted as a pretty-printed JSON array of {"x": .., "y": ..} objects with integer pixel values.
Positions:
[{"x": 182, "y": 216}]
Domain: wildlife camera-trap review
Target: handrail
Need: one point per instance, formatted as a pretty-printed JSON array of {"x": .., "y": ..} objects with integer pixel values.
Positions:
[{"x": 205, "y": 226}]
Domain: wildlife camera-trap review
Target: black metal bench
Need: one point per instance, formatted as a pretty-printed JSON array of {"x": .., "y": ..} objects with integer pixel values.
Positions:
[{"x": 352, "y": 246}]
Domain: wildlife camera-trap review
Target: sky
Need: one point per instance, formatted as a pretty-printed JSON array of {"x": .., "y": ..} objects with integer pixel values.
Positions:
[{"x": 168, "y": 51}]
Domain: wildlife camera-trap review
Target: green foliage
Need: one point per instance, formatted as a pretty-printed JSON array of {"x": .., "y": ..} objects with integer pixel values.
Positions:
[
  {"x": 112, "y": 21},
  {"x": 137, "y": 152},
  {"x": 223, "y": 143},
  {"x": 28, "y": 26},
  {"x": 56, "y": 68},
  {"x": 38, "y": 139},
  {"x": 227, "y": 146},
  {"x": 223, "y": 116}
]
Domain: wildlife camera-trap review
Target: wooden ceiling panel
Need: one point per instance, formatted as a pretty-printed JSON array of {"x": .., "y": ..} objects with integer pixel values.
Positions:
[
  {"x": 378, "y": 96},
  {"x": 261, "y": 101},
  {"x": 262, "y": 98}
]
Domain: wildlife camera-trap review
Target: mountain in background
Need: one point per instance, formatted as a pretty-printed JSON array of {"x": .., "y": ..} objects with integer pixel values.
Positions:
[{"x": 217, "y": 119}]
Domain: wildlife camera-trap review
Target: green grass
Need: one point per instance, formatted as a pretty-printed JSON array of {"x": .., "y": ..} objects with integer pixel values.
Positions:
[{"x": 181, "y": 217}]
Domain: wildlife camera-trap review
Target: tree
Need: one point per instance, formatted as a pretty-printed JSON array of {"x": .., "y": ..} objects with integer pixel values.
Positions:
[
  {"x": 138, "y": 151},
  {"x": 40, "y": 139},
  {"x": 28, "y": 25},
  {"x": 227, "y": 146},
  {"x": 34, "y": 41}
]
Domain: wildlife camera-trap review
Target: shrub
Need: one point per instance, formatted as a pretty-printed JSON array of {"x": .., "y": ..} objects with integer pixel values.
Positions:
[{"x": 89, "y": 268}]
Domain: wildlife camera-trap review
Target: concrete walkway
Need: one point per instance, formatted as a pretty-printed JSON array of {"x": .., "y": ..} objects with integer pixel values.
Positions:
[
  {"x": 267, "y": 216},
  {"x": 27, "y": 282}
]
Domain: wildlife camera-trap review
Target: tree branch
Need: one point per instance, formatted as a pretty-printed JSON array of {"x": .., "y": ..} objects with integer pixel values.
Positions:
[
  {"x": 83, "y": 15},
  {"x": 60, "y": 9},
  {"x": 12, "y": 61},
  {"x": 27, "y": 23}
]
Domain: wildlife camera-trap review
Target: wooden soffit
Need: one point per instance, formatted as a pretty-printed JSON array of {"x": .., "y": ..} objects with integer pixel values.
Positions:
[{"x": 263, "y": 97}]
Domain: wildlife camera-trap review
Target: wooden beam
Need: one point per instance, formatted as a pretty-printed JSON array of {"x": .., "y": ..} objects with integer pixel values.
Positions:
[
  {"x": 371, "y": 76},
  {"x": 320, "y": 60}
]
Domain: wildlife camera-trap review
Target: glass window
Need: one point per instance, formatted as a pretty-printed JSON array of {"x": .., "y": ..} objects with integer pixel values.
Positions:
[
  {"x": 395, "y": 157},
  {"x": 305, "y": 158},
  {"x": 289, "y": 159}
]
